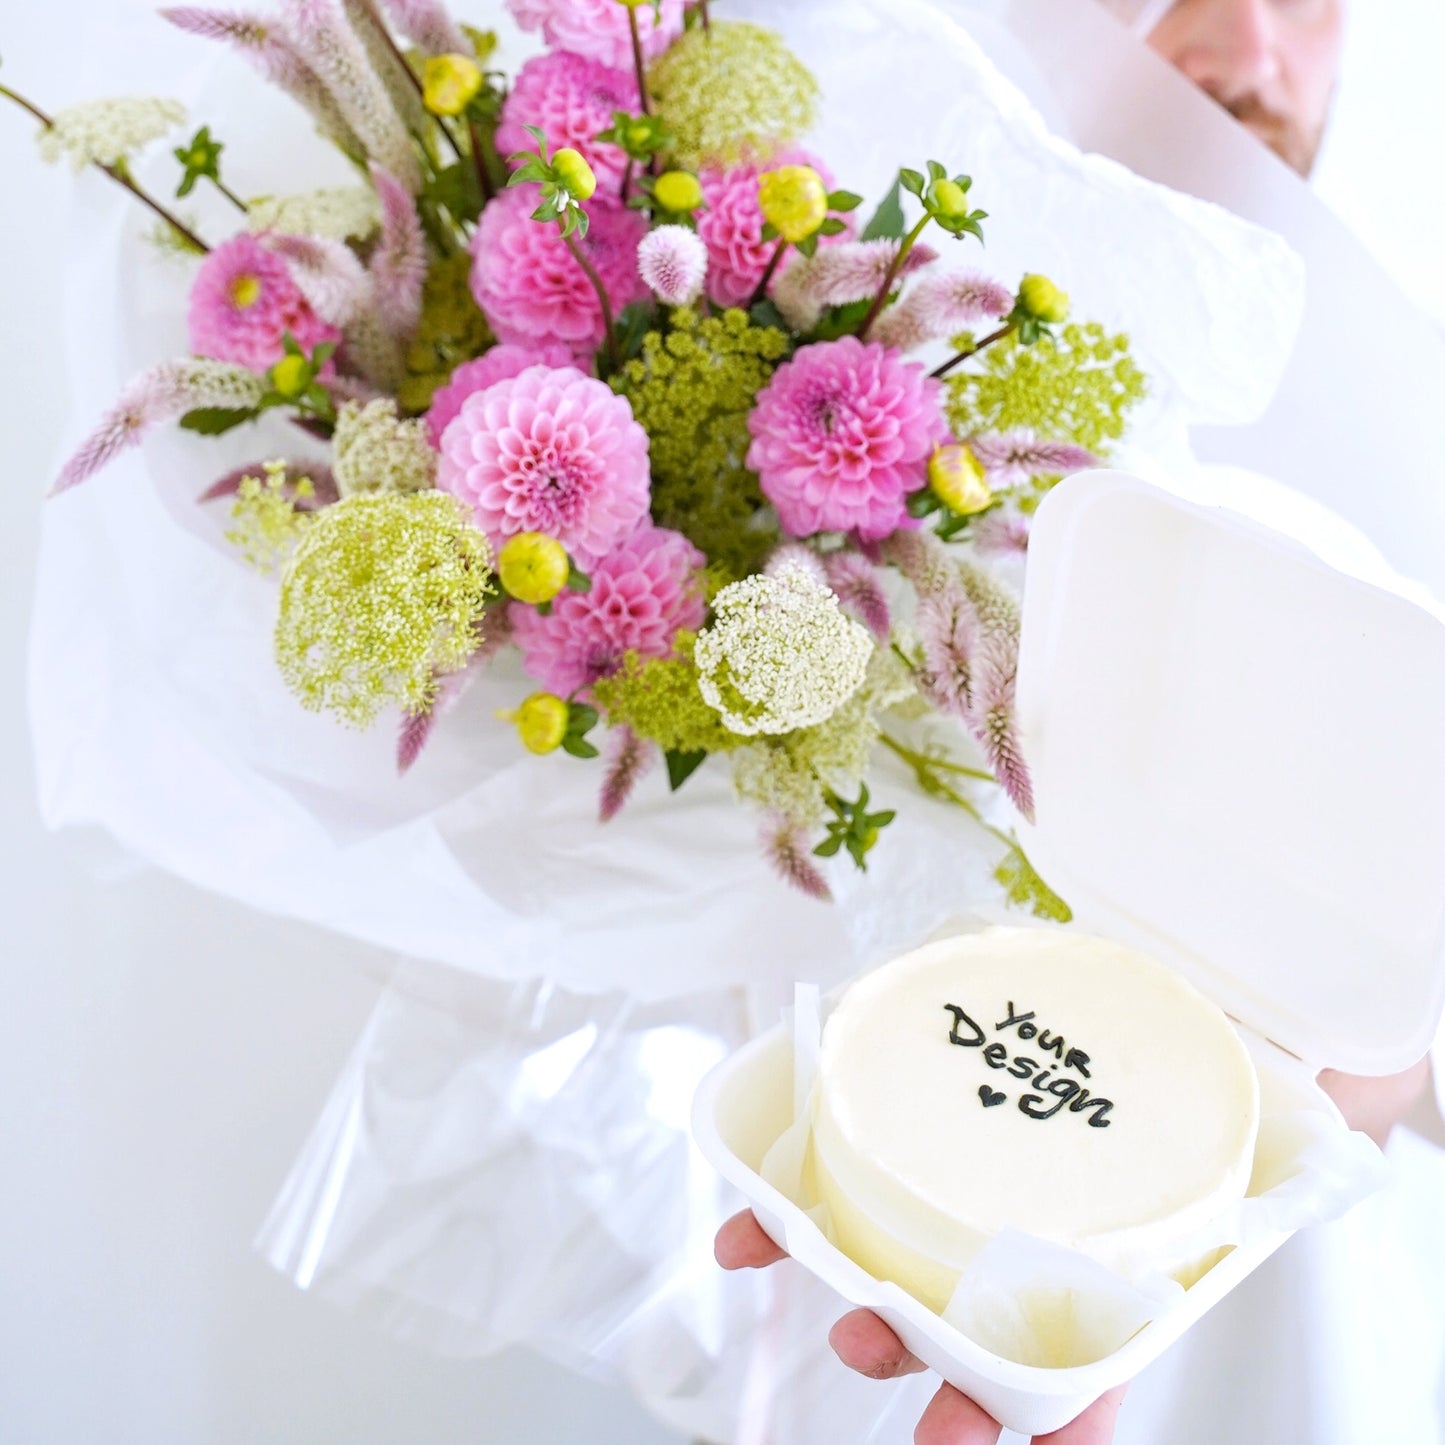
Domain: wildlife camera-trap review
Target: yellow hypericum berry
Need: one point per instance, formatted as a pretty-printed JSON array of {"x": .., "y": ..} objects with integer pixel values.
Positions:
[
  {"x": 957, "y": 479},
  {"x": 541, "y": 722},
  {"x": 574, "y": 174},
  {"x": 1042, "y": 300},
  {"x": 793, "y": 200},
  {"x": 291, "y": 376},
  {"x": 533, "y": 567},
  {"x": 449, "y": 84},
  {"x": 678, "y": 191},
  {"x": 949, "y": 199}
]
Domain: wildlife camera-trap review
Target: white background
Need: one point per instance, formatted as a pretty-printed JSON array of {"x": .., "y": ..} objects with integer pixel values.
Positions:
[{"x": 163, "y": 1054}]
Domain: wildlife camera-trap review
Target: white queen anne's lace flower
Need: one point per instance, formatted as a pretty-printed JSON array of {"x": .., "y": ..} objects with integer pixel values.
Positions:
[
  {"x": 340, "y": 213},
  {"x": 106, "y": 132},
  {"x": 780, "y": 654},
  {"x": 375, "y": 451}
]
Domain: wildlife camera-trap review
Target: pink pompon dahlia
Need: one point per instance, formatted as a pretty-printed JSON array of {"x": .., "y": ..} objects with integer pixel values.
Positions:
[
  {"x": 841, "y": 435},
  {"x": 244, "y": 301},
  {"x": 643, "y": 594},
  {"x": 732, "y": 224},
  {"x": 529, "y": 284},
  {"x": 501, "y": 363},
  {"x": 598, "y": 28},
  {"x": 549, "y": 451},
  {"x": 570, "y": 98}
]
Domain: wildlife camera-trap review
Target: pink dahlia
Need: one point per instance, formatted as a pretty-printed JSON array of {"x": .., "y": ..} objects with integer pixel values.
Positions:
[
  {"x": 570, "y": 98},
  {"x": 598, "y": 28},
  {"x": 731, "y": 226},
  {"x": 643, "y": 594},
  {"x": 501, "y": 363},
  {"x": 244, "y": 301},
  {"x": 549, "y": 451},
  {"x": 841, "y": 435},
  {"x": 529, "y": 283}
]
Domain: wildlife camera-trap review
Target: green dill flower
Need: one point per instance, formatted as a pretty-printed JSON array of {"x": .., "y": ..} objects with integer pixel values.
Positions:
[
  {"x": 339, "y": 213},
  {"x": 731, "y": 90},
  {"x": 375, "y": 451},
  {"x": 691, "y": 390},
  {"x": 1025, "y": 889},
  {"x": 1080, "y": 385},
  {"x": 108, "y": 132},
  {"x": 452, "y": 330},
  {"x": 384, "y": 595},
  {"x": 780, "y": 653},
  {"x": 658, "y": 698},
  {"x": 267, "y": 524}
]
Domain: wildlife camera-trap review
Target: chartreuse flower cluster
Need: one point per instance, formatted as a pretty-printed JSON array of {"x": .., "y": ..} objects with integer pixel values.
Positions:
[
  {"x": 1080, "y": 383},
  {"x": 266, "y": 522},
  {"x": 384, "y": 596},
  {"x": 729, "y": 91},
  {"x": 692, "y": 388}
]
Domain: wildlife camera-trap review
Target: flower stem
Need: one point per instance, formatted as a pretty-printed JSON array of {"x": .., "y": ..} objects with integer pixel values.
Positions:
[
  {"x": 926, "y": 771},
  {"x": 768, "y": 273},
  {"x": 118, "y": 173},
  {"x": 1007, "y": 329},
  {"x": 638, "y": 62},
  {"x": 479, "y": 160},
  {"x": 229, "y": 194},
  {"x": 580, "y": 256},
  {"x": 706, "y": 19},
  {"x": 627, "y": 179},
  {"x": 881, "y": 299}
]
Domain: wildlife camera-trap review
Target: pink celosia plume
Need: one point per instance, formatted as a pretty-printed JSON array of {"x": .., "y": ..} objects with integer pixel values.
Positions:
[
  {"x": 629, "y": 758},
  {"x": 841, "y": 435},
  {"x": 859, "y": 589},
  {"x": 398, "y": 267},
  {"x": 1013, "y": 457},
  {"x": 841, "y": 274},
  {"x": 428, "y": 26},
  {"x": 643, "y": 594},
  {"x": 786, "y": 847},
  {"x": 549, "y": 451},
  {"x": 529, "y": 284},
  {"x": 156, "y": 396},
  {"x": 570, "y": 98},
  {"x": 1001, "y": 533},
  {"x": 328, "y": 273}
]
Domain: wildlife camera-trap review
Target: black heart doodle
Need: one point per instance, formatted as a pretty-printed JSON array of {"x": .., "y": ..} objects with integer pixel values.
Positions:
[{"x": 990, "y": 1097}]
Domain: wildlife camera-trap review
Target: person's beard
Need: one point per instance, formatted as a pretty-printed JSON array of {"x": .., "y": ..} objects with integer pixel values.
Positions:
[{"x": 1296, "y": 145}]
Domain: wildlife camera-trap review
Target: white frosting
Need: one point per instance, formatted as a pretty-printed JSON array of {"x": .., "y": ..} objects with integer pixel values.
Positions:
[{"x": 1152, "y": 1103}]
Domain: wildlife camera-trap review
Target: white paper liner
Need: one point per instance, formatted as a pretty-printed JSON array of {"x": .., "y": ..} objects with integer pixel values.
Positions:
[{"x": 1039, "y": 1303}]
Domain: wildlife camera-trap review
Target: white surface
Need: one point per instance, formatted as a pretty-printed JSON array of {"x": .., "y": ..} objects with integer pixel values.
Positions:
[{"x": 163, "y": 1054}]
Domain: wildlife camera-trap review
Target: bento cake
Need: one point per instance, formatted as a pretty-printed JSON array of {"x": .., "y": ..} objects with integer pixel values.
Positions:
[{"x": 1038, "y": 1080}]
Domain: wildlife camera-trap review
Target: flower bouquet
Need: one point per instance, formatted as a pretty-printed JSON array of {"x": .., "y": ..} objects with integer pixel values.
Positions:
[{"x": 606, "y": 404}]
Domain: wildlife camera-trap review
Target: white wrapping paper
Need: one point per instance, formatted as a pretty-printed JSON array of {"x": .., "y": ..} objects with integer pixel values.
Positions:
[{"x": 159, "y": 716}]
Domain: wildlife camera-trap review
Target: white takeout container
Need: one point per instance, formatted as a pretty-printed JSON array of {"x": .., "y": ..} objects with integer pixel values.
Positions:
[{"x": 1238, "y": 754}]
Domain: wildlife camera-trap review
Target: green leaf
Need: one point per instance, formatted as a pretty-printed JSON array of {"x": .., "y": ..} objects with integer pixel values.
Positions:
[
  {"x": 844, "y": 201},
  {"x": 839, "y": 321},
  {"x": 936, "y": 172},
  {"x": 887, "y": 222},
  {"x": 681, "y": 766},
  {"x": 829, "y": 846},
  {"x": 911, "y": 181},
  {"x": 770, "y": 231},
  {"x": 578, "y": 580},
  {"x": 808, "y": 246},
  {"x": 323, "y": 354},
  {"x": 631, "y": 329},
  {"x": 213, "y": 421},
  {"x": 581, "y": 717},
  {"x": 766, "y": 313},
  {"x": 832, "y": 227},
  {"x": 922, "y": 504},
  {"x": 578, "y": 747}
]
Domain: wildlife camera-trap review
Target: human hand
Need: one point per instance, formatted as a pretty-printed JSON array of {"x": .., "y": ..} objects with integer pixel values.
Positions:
[
  {"x": 864, "y": 1343},
  {"x": 1375, "y": 1105}
]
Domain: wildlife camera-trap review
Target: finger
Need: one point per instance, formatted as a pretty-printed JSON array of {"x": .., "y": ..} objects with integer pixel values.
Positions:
[
  {"x": 1094, "y": 1427},
  {"x": 741, "y": 1244},
  {"x": 864, "y": 1343},
  {"x": 953, "y": 1419}
]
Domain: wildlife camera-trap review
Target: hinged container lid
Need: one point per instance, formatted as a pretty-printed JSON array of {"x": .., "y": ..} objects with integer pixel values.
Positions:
[{"x": 1238, "y": 755}]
